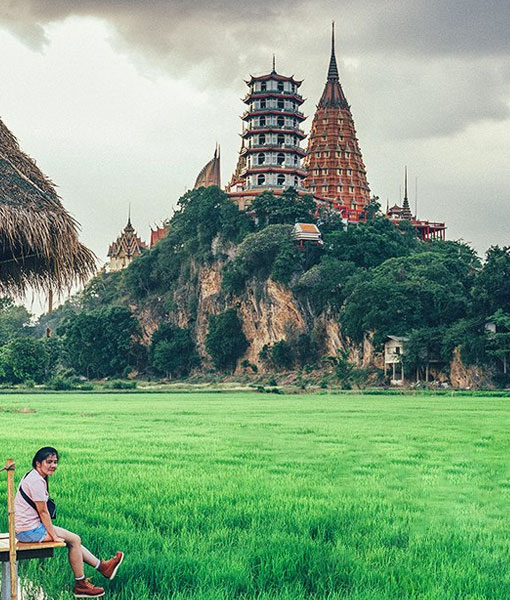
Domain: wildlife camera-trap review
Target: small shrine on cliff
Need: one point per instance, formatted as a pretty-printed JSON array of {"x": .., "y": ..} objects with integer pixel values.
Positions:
[
  {"x": 125, "y": 248},
  {"x": 271, "y": 153}
]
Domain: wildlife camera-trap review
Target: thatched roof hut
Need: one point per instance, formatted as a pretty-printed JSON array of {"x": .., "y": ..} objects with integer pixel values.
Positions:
[{"x": 39, "y": 245}]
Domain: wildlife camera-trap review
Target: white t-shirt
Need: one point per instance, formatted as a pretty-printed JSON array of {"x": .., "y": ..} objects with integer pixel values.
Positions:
[{"x": 34, "y": 486}]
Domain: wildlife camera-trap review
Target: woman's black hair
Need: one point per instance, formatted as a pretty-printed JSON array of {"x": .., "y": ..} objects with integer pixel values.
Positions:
[{"x": 42, "y": 454}]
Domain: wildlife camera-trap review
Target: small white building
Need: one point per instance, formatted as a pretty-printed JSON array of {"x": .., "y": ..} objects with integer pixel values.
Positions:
[
  {"x": 307, "y": 232},
  {"x": 393, "y": 351}
]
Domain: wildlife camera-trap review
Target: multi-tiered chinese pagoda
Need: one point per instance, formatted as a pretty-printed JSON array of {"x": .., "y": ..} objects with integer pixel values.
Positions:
[
  {"x": 332, "y": 171},
  {"x": 270, "y": 156}
]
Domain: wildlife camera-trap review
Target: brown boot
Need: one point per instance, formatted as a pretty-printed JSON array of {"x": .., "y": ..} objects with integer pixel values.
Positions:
[
  {"x": 109, "y": 568},
  {"x": 84, "y": 589}
]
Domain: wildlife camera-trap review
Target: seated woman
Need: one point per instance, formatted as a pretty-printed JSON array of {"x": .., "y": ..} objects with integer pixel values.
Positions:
[{"x": 34, "y": 524}]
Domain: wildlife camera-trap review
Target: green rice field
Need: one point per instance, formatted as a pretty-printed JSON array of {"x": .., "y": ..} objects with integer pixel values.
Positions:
[{"x": 216, "y": 496}]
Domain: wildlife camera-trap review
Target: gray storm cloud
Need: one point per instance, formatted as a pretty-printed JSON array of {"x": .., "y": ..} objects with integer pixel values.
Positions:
[
  {"x": 450, "y": 56},
  {"x": 425, "y": 27}
]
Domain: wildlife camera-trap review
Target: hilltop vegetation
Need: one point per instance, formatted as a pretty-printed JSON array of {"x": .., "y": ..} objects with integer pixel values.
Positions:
[{"x": 183, "y": 305}]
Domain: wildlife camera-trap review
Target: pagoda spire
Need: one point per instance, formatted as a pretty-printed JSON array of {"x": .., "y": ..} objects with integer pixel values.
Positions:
[
  {"x": 129, "y": 226},
  {"x": 335, "y": 169},
  {"x": 333, "y": 68},
  {"x": 406, "y": 209},
  {"x": 333, "y": 95}
]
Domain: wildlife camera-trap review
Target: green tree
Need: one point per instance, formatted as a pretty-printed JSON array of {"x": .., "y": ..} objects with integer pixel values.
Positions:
[
  {"x": 373, "y": 208},
  {"x": 492, "y": 287},
  {"x": 102, "y": 290},
  {"x": 173, "y": 351},
  {"x": 14, "y": 320},
  {"x": 289, "y": 208},
  {"x": 403, "y": 294},
  {"x": 469, "y": 335},
  {"x": 102, "y": 342},
  {"x": 225, "y": 341},
  {"x": 369, "y": 244},
  {"x": 499, "y": 341},
  {"x": 257, "y": 257},
  {"x": 282, "y": 354},
  {"x": 204, "y": 214},
  {"x": 54, "y": 349},
  {"x": 422, "y": 347},
  {"x": 23, "y": 359},
  {"x": 327, "y": 283}
]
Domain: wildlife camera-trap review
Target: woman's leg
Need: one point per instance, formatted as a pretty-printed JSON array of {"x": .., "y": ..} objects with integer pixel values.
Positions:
[{"x": 77, "y": 553}]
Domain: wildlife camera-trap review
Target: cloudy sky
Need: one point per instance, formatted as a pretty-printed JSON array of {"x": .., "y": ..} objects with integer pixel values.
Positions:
[{"x": 122, "y": 102}]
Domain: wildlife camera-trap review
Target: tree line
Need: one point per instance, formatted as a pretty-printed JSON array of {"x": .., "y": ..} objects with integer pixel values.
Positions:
[{"x": 376, "y": 278}]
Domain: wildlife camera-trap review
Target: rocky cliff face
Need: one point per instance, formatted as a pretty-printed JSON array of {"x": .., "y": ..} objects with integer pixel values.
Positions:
[
  {"x": 269, "y": 313},
  {"x": 471, "y": 378},
  {"x": 268, "y": 310}
]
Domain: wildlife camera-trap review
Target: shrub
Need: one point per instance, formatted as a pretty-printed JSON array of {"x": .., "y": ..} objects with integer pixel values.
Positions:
[
  {"x": 173, "y": 351},
  {"x": 257, "y": 256},
  {"x": 282, "y": 354},
  {"x": 119, "y": 384},
  {"x": 60, "y": 383},
  {"x": 225, "y": 341}
]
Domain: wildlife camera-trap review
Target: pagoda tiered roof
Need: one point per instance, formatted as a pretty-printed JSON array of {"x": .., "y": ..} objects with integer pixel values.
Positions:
[{"x": 273, "y": 75}]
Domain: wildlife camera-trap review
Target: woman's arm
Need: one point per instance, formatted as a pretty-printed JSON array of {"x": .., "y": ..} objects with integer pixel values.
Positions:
[{"x": 42, "y": 509}]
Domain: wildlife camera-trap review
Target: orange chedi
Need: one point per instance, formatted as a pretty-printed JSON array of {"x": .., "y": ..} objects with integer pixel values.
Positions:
[{"x": 335, "y": 169}]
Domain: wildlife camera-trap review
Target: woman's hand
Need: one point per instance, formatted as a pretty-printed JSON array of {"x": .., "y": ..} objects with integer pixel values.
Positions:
[{"x": 58, "y": 539}]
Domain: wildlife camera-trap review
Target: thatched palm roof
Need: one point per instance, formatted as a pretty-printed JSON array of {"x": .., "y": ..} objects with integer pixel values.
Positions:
[{"x": 39, "y": 245}]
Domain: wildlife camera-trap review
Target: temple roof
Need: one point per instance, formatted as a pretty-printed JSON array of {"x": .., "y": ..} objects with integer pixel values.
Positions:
[
  {"x": 333, "y": 95},
  {"x": 275, "y": 76},
  {"x": 158, "y": 234},
  {"x": 127, "y": 245},
  {"x": 210, "y": 173}
]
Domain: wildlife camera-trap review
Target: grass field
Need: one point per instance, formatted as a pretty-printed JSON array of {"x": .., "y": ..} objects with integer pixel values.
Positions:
[{"x": 217, "y": 496}]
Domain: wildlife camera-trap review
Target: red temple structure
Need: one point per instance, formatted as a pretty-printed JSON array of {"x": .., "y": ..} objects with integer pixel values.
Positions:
[
  {"x": 158, "y": 234},
  {"x": 270, "y": 156},
  {"x": 427, "y": 230},
  {"x": 336, "y": 172}
]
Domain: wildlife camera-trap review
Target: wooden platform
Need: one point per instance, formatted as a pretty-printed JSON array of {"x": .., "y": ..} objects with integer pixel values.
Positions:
[{"x": 27, "y": 550}]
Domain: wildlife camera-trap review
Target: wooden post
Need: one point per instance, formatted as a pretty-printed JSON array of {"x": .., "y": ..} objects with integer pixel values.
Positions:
[{"x": 10, "y": 466}]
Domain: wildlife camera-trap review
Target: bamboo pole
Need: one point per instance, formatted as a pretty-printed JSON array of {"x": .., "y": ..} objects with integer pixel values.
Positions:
[{"x": 10, "y": 467}]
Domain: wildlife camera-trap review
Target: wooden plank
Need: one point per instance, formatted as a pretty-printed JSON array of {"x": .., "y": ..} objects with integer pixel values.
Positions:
[
  {"x": 22, "y": 546},
  {"x": 28, "y": 554},
  {"x": 10, "y": 467},
  {"x": 27, "y": 550}
]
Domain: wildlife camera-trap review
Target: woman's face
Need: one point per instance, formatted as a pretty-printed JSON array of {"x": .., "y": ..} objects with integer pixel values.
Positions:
[{"x": 48, "y": 466}]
